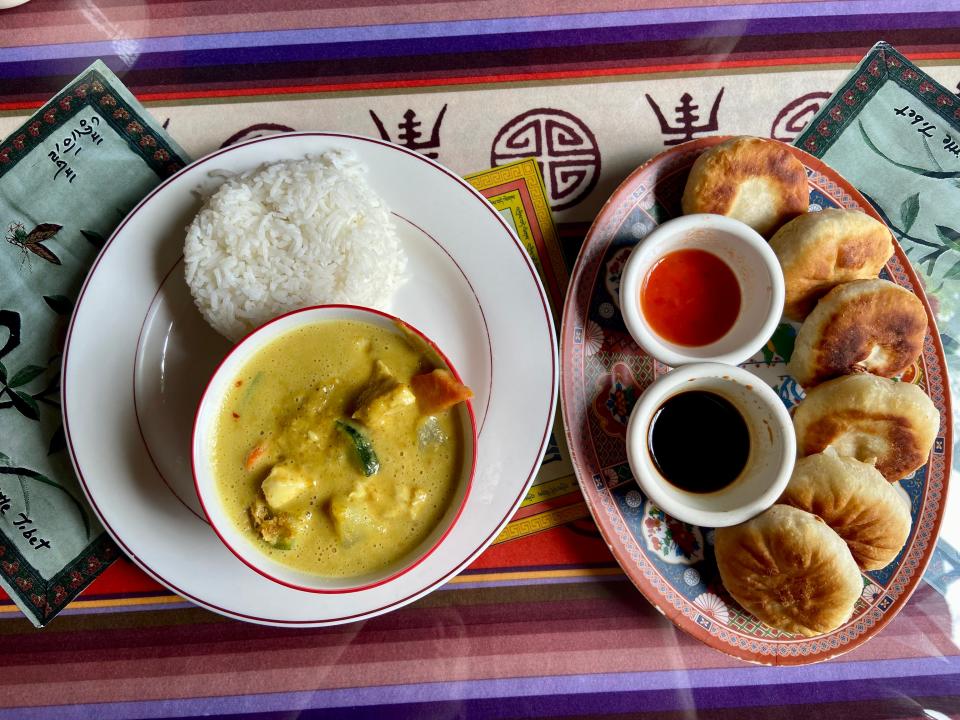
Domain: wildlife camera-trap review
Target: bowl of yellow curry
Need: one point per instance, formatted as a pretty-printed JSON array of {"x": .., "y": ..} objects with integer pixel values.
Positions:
[{"x": 334, "y": 448}]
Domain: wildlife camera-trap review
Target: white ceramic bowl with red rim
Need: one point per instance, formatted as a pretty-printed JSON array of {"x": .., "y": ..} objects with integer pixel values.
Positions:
[
  {"x": 243, "y": 544},
  {"x": 773, "y": 446},
  {"x": 753, "y": 263}
]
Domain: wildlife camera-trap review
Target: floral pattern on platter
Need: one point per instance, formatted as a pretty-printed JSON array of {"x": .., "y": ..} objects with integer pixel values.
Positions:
[
  {"x": 673, "y": 541},
  {"x": 613, "y": 273},
  {"x": 790, "y": 391},
  {"x": 871, "y": 593},
  {"x": 618, "y": 393}
]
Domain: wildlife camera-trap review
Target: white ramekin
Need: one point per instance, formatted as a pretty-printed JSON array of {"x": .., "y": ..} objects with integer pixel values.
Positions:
[
  {"x": 749, "y": 257},
  {"x": 772, "y": 446}
]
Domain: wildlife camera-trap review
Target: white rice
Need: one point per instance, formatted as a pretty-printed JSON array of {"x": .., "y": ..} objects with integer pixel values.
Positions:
[{"x": 288, "y": 235}]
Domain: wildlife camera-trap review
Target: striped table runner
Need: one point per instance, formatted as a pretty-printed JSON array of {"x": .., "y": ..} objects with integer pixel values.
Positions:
[{"x": 544, "y": 624}]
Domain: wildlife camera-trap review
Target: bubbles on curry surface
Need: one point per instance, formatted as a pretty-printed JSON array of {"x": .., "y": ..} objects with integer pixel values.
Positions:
[{"x": 309, "y": 367}]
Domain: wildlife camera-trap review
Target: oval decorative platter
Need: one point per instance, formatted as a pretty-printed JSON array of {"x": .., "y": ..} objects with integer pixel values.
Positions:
[
  {"x": 139, "y": 356},
  {"x": 603, "y": 374}
]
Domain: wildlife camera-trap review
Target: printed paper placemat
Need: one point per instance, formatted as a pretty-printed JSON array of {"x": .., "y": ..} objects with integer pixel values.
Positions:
[{"x": 517, "y": 190}]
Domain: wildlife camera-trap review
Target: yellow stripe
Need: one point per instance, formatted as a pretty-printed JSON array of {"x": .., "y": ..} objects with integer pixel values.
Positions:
[
  {"x": 537, "y": 575},
  {"x": 542, "y": 521},
  {"x": 113, "y": 603}
]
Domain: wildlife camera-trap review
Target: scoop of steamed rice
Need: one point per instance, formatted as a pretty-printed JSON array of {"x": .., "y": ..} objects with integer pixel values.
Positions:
[{"x": 288, "y": 235}]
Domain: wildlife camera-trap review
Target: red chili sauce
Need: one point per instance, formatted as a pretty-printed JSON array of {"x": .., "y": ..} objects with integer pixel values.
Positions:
[{"x": 690, "y": 297}]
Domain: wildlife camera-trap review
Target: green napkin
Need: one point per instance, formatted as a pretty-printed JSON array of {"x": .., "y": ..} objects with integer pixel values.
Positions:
[
  {"x": 68, "y": 176},
  {"x": 894, "y": 132}
]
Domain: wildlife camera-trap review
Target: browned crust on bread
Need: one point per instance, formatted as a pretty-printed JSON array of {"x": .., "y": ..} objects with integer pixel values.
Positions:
[
  {"x": 790, "y": 570},
  {"x": 873, "y": 419},
  {"x": 853, "y": 321},
  {"x": 854, "y": 499},
  {"x": 905, "y": 454},
  {"x": 715, "y": 179},
  {"x": 819, "y": 251}
]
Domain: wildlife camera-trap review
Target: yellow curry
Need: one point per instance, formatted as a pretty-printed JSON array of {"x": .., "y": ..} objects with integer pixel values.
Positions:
[{"x": 338, "y": 448}]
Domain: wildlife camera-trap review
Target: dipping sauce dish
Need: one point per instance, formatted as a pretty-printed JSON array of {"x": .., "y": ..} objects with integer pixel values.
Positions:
[
  {"x": 711, "y": 476},
  {"x": 690, "y": 297},
  {"x": 702, "y": 288},
  {"x": 723, "y": 441}
]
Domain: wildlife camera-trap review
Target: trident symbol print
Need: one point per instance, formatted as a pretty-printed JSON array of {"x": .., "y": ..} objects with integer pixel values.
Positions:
[
  {"x": 410, "y": 134},
  {"x": 686, "y": 123}
]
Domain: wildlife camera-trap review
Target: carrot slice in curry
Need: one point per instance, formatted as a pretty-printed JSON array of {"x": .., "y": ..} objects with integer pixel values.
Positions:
[
  {"x": 258, "y": 452},
  {"x": 438, "y": 390}
]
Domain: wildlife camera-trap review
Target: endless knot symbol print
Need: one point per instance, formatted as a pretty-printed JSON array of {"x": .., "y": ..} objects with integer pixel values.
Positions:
[
  {"x": 686, "y": 125},
  {"x": 795, "y": 115},
  {"x": 564, "y": 147},
  {"x": 410, "y": 134},
  {"x": 255, "y": 131}
]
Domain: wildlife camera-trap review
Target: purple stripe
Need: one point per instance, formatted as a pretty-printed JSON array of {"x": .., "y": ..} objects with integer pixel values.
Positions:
[
  {"x": 335, "y": 72},
  {"x": 12, "y": 68},
  {"x": 740, "y": 686},
  {"x": 817, "y": 698},
  {"x": 802, "y": 701},
  {"x": 579, "y": 24}
]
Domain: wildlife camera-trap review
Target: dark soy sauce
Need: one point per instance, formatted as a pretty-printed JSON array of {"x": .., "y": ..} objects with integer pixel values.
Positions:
[{"x": 699, "y": 441}]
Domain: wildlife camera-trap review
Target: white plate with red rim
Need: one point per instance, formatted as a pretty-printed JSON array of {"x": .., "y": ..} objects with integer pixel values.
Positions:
[{"x": 139, "y": 355}]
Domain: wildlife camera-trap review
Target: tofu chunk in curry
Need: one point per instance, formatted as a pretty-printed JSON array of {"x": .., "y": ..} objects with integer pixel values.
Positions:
[{"x": 339, "y": 447}]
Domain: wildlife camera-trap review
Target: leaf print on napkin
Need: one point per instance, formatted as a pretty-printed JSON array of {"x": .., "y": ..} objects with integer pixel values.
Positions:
[
  {"x": 13, "y": 392},
  {"x": 936, "y": 174},
  {"x": 22, "y": 402},
  {"x": 60, "y": 304},
  {"x": 94, "y": 238},
  {"x": 909, "y": 209},
  {"x": 11, "y": 321},
  {"x": 58, "y": 441},
  {"x": 951, "y": 241},
  {"x": 25, "y": 375},
  {"x": 949, "y": 236}
]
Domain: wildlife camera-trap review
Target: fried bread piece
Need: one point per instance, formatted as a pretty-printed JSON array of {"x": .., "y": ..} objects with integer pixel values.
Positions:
[
  {"x": 870, "y": 326},
  {"x": 820, "y": 250},
  {"x": 883, "y": 422},
  {"x": 757, "y": 181},
  {"x": 855, "y": 500},
  {"x": 788, "y": 568}
]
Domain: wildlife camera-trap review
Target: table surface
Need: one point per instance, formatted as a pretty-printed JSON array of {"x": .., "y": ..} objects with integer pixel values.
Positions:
[{"x": 544, "y": 624}]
